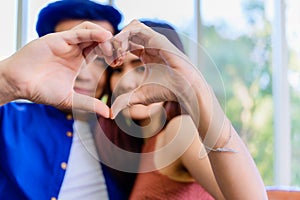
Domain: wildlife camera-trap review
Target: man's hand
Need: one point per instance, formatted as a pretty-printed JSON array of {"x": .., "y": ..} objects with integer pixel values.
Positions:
[{"x": 44, "y": 70}]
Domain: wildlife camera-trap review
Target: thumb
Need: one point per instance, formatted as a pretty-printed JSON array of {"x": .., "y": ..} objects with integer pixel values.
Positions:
[
  {"x": 121, "y": 102},
  {"x": 90, "y": 104},
  {"x": 145, "y": 94}
]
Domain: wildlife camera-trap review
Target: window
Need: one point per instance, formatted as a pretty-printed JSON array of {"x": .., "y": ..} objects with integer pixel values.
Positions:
[
  {"x": 237, "y": 35},
  {"x": 293, "y": 38},
  {"x": 237, "y": 41}
]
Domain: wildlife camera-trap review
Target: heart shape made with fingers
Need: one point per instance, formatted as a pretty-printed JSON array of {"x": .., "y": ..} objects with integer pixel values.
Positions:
[{"x": 168, "y": 69}]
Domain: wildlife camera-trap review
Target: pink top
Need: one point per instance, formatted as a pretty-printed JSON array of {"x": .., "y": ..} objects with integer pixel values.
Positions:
[{"x": 154, "y": 185}]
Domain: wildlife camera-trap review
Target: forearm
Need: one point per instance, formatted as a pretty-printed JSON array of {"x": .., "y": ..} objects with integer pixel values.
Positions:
[
  {"x": 202, "y": 105},
  {"x": 235, "y": 172}
]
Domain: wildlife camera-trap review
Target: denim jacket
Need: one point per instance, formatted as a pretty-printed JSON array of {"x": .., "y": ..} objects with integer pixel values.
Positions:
[{"x": 35, "y": 143}]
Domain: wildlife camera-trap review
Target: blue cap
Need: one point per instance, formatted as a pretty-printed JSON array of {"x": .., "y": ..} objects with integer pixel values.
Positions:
[{"x": 61, "y": 10}]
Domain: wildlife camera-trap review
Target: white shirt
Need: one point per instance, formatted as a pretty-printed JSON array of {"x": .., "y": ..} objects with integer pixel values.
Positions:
[{"x": 84, "y": 178}]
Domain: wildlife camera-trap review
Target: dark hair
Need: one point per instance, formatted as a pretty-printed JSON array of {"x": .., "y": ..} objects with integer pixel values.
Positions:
[
  {"x": 108, "y": 153},
  {"x": 165, "y": 29},
  {"x": 172, "y": 108},
  {"x": 61, "y": 10}
]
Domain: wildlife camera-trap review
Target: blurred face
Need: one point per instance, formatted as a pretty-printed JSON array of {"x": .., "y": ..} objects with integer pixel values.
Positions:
[
  {"x": 126, "y": 78},
  {"x": 91, "y": 79}
]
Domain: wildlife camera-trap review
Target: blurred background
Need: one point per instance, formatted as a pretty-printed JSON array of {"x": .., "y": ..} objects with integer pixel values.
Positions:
[{"x": 247, "y": 49}]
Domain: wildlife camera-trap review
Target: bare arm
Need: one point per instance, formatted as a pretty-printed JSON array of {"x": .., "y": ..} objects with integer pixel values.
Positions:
[
  {"x": 183, "y": 134},
  {"x": 236, "y": 173}
]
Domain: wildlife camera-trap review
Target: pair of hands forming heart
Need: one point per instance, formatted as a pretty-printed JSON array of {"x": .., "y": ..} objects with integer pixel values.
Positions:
[
  {"x": 44, "y": 70},
  {"x": 167, "y": 68},
  {"x": 170, "y": 76}
]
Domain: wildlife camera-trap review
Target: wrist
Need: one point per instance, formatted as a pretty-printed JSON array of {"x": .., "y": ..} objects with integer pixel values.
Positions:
[
  {"x": 8, "y": 89},
  {"x": 220, "y": 142},
  {"x": 224, "y": 136}
]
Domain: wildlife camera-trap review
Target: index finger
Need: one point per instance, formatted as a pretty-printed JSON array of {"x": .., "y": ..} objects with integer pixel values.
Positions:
[
  {"x": 78, "y": 36},
  {"x": 90, "y": 104}
]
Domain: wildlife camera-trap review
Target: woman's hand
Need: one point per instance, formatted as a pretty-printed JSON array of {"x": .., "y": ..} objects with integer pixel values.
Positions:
[{"x": 170, "y": 77}]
